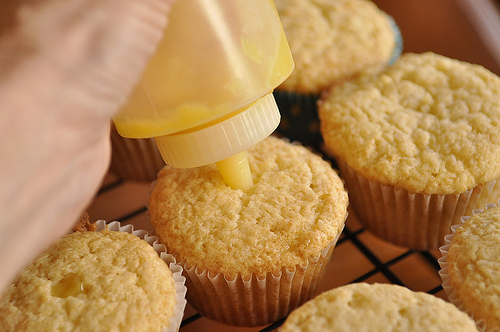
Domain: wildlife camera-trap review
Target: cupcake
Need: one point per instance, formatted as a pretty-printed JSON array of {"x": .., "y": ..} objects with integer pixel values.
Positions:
[
  {"x": 330, "y": 41},
  {"x": 377, "y": 307},
  {"x": 250, "y": 257},
  {"x": 418, "y": 145},
  {"x": 134, "y": 159},
  {"x": 107, "y": 280},
  {"x": 470, "y": 265}
]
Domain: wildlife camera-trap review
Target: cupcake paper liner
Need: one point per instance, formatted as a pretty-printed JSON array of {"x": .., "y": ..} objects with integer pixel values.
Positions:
[
  {"x": 398, "y": 48},
  {"x": 254, "y": 301},
  {"x": 176, "y": 269},
  {"x": 134, "y": 159},
  {"x": 412, "y": 220},
  {"x": 443, "y": 273}
]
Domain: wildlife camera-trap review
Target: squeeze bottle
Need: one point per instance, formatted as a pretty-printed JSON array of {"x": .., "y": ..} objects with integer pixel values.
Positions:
[{"x": 206, "y": 94}]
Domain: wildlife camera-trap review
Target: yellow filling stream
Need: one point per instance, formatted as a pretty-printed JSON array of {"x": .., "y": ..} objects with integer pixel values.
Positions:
[{"x": 236, "y": 171}]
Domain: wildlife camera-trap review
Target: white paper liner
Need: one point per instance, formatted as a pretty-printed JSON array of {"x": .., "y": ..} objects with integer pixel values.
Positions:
[
  {"x": 255, "y": 301},
  {"x": 176, "y": 269},
  {"x": 443, "y": 273},
  {"x": 135, "y": 159},
  {"x": 413, "y": 220}
]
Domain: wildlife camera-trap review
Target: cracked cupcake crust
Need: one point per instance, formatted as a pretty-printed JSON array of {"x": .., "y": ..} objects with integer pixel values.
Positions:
[
  {"x": 428, "y": 124},
  {"x": 295, "y": 209}
]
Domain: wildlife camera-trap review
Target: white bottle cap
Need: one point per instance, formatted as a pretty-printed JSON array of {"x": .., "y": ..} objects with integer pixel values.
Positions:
[{"x": 221, "y": 140}]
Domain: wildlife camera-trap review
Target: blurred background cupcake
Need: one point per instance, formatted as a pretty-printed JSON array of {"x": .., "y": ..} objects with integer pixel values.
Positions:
[
  {"x": 250, "y": 257},
  {"x": 417, "y": 145},
  {"x": 111, "y": 279},
  {"x": 378, "y": 308},
  {"x": 331, "y": 41},
  {"x": 470, "y": 265},
  {"x": 134, "y": 159}
]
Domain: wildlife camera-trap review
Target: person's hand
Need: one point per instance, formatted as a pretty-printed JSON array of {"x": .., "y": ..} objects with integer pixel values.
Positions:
[{"x": 66, "y": 68}]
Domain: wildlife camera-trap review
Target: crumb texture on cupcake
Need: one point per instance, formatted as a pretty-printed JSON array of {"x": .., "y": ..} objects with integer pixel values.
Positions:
[
  {"x": 428, "y": 124},
  {"x": 295, "y": 209},
  {"x": 474, "y": 266},
  {"x": 333, "y": 40},
  {"x": 377, "y": 307},
  {"x": 91, "y": 281}
]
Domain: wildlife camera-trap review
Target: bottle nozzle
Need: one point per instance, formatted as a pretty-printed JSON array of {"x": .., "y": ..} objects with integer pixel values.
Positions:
[
  {"x": 224, "y": 143},
  {"x": 236, "y": 171}
]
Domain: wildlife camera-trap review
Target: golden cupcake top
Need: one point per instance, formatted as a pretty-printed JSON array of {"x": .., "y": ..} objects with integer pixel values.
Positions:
[
  {"x": 428, "y": 124},
  {"x": 91, "y": 281},
  {"x": 377, "y": 307},
  {"x": 333, "y": 40},
  {"x": 295, "y": 209},
  {"x": 474, "y": 266}
]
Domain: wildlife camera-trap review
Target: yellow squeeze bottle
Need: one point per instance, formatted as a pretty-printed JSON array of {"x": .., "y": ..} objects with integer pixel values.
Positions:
[{"x": 206, "y": 94}]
